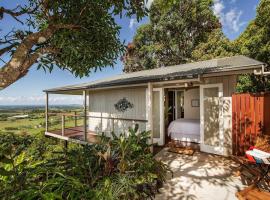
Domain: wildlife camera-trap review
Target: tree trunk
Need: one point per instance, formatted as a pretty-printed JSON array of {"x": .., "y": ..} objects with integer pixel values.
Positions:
[{"x": 22, "y": 60}]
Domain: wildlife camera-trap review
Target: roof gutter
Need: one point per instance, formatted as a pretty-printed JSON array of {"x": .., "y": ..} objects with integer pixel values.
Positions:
[
  {"x": 262, "y": 72},
  {"x": 171, "y": 77}
]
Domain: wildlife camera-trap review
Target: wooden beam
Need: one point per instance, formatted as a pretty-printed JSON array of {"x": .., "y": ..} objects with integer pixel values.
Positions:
[
  {"x": 85, "y": 114},
  {"x": 150, "y": 111},
  {"x": 47, "y": 112},
  {"x": 63, "y": 125}
]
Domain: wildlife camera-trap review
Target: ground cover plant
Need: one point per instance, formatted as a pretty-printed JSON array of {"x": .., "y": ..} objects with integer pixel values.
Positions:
[{"x": 35, "y": 167}]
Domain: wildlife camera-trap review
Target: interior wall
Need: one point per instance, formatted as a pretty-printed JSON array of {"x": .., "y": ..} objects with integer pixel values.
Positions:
[{"x": 189, "y": 111}]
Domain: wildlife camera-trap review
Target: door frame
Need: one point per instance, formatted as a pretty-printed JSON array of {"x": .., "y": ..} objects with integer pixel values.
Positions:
[
  {"x": 160, "y": 141},
  {"x": 207, "y": 148},
  {"x": 176, "y": 102}
]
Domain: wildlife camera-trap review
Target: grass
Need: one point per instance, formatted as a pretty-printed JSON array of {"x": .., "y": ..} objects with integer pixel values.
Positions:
[
  {"x": 35, "y": 123},
  {"x": 23, "y": 125}
]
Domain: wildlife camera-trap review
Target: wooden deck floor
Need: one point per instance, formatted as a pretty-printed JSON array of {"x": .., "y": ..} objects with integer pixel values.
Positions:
[{"x": 75, "y": 134}]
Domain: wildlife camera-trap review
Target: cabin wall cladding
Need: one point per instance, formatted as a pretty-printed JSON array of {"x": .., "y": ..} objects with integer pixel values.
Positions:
[
  {"x": 102, "y": 104},
  {"x": 251, "y": 117}
]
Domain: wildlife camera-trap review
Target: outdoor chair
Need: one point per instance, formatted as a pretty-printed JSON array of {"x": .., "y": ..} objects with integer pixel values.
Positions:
[{"x": 257, "y": 162}]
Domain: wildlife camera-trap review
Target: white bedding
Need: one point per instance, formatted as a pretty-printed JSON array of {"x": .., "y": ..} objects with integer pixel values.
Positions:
[{"x": 185, "y": 130}]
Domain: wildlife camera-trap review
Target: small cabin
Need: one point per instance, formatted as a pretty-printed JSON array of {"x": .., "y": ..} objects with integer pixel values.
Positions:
[{"x": 189, "y": 102}]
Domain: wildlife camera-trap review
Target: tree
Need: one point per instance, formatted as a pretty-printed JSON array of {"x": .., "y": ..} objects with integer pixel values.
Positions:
[
  {"x": 255, "y": 40},
  {"x": 75, "y": 35},
  {"x": 216, "y": 46},
  {"x": 255, "y": 43},
  {"x": 172, "y": 34},
  {"x": 252, "y": 83}
]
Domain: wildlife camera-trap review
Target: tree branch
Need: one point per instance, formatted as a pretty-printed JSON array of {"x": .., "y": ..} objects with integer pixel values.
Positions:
[
  {"x": 22, "y": 59},
  {"x": 15, "y": 14},
  {"x": 6, "y": 49}
]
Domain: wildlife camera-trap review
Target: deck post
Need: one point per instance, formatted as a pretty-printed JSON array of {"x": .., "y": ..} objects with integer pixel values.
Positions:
[
  {"x": 63, "y": 125},
  {"x": 75, "y": 118},
  {"x": 85, "y": 114},
  {"x": 46, "y": 111},
  {"x": 150, "y": 111}
]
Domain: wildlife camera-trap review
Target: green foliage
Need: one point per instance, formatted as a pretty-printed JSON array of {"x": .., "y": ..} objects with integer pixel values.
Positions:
[
  {"x": 255, "y": 40},
  {"x": 216, "y": 46},
  {"x": 253, "y": 84},
  {"x": 117, "y": 168},
  {"x": 255, "y": 43},
  {"x": 175, "y": 29},
  {"x": 83, "y": 34}
]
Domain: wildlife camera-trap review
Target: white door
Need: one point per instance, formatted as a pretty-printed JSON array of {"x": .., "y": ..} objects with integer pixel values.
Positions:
[
  {"x": 158, "y": 116},
  {"x": 211, "y": 118}
]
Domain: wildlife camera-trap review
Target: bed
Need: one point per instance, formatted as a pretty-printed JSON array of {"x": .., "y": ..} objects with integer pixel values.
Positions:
[{"x": 185, "y": 130}]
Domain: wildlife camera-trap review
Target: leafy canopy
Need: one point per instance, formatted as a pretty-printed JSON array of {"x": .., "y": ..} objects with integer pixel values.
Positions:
[
  {"x": 175, "y": 29},
  {"x": 255, "y": 43},
  {"x": 216, "y": 46},
  {"x": 75, "y": 35},
  {"x": 255, "y": 40}
]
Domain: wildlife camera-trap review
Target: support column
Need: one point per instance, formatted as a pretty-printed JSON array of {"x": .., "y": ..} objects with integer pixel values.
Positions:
[
  {"x": 63, "y": 125},
  {"x": 75, "y": 119},
  {"x": 150, "y": 111},
  {"x": 47, "y": 112},
  {"x": 85, "y": 114}
]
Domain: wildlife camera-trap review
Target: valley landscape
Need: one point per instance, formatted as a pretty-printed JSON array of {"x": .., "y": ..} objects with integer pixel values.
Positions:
[{"x": 27, "y": 119}]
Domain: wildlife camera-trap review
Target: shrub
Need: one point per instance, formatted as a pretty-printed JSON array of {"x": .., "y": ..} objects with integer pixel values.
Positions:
[
  {"x": 35, "y": 167},
  {"x": 11, "y": 128},
  {"x": 252, "y": 83}
]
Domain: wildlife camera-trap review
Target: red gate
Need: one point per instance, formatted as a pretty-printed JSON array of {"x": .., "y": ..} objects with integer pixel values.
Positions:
[{"x": 250, "y": 117}]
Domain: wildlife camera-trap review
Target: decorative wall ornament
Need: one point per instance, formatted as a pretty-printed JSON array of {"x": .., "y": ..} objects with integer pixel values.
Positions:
[{"x": 123, "y": 104}]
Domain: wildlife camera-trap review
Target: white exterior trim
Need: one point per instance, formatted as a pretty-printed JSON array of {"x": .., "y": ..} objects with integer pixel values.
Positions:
[
  {"x": 66, "y": 138},
  {"x": 161, "y": 140},
  {"x": 207, "y": 148}
]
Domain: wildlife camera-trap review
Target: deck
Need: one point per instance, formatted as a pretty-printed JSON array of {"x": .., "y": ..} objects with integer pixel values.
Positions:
[{"x": 75, "y": 134}]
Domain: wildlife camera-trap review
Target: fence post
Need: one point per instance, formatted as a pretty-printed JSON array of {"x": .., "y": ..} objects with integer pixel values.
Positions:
[{"x": 63, "y": 125}]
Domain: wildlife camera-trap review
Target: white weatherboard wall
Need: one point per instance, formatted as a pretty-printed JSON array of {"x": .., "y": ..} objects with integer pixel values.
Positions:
[
  {"x": 101, "y": 103},
  {"x": 189, "y": 111}
]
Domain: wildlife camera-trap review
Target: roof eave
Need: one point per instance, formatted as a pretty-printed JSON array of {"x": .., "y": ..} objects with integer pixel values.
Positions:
[{"x": 154, "y": 79}]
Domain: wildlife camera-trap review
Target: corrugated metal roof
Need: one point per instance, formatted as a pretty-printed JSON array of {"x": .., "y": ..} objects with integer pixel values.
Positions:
[{"x": 183, "y": 71}]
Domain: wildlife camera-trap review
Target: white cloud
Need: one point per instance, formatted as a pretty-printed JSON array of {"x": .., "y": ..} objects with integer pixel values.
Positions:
[
  {"x": 232, "y": 20},
  {"x": 229, "y": 19},
  {"x": 40, "y": 99},
  {"x": 218, "y": 8},
  {"x": 132, "y": 22}
]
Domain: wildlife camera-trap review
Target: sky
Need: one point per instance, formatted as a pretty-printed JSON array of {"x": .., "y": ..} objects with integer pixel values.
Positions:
[{"x": 233, "y": 14}]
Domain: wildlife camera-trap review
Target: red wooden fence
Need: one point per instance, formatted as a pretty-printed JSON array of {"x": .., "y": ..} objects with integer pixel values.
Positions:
[{"x": 250, "y": 117}]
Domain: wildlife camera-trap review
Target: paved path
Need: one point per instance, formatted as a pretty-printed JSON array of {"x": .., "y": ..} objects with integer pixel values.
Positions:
[{"x": 201, "y": 176}]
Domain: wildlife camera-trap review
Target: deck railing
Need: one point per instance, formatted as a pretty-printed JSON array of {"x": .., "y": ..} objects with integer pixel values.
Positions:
[{"x": 72, "y": 124}]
